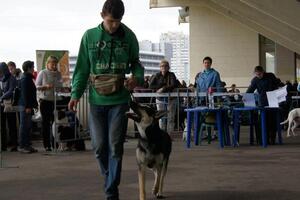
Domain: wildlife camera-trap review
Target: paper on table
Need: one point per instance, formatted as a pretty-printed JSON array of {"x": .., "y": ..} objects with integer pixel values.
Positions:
[
  {"x": 272, "y": 99},
  {"x": 249, "y": 100},
  {"x": 276, "y": 96},
  {"x": 281, "y": 94}
]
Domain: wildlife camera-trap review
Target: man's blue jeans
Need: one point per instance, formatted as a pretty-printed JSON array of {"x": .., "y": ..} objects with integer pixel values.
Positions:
[
  {"x": 24, "y": 129},
  {"x": 108, "y": 126}
]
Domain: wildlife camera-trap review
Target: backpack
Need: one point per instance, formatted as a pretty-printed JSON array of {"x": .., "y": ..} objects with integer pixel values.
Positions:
[{"x": 16, "y": 95}]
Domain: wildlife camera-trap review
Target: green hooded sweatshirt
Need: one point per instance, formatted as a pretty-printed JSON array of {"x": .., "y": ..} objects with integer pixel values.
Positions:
[{"x": 104, "y": 53}]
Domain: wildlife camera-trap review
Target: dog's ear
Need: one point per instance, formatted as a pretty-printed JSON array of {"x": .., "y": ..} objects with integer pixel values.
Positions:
[
  {"x": 133, "y": 116},
  {"x": 159, "y": 114}
]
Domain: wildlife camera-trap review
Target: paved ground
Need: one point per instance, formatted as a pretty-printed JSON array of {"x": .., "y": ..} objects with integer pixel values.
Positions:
[{"x": 202, "y": 172}]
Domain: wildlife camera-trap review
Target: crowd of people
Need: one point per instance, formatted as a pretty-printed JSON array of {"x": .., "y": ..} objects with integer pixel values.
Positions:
[
  {"x": 33, "y": 93},
  {"x": 209, "y": 80}
]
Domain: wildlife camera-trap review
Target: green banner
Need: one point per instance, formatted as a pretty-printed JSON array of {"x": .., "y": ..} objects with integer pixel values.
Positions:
[{"x": 63, "y": 64}]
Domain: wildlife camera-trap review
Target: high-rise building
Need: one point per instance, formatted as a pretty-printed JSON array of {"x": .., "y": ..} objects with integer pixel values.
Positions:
[
  {"x": 150, "y": 61},
  {"x": 150, "y": 56},
  {"x": 179, "y": 59},
  {"x": 72, "y": 62}
]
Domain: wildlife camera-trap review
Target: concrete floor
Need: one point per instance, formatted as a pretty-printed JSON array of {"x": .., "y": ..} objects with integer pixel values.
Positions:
[{"x": 202, "y": 172}]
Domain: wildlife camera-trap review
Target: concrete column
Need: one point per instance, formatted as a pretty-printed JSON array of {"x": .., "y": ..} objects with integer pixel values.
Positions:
[
  {"x": 232, "y": 46},
  {"x": 284, "y": 63}
]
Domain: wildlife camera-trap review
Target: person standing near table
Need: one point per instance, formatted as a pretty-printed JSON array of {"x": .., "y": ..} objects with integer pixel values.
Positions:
[
  {"x": 264, "y": 82},
  {"x": 208, "y": 78},
  {"x": 108, "y": 51}
]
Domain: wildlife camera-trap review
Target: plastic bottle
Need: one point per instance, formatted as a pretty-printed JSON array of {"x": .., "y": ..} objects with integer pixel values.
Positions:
[{"x": 210, "y": 98}]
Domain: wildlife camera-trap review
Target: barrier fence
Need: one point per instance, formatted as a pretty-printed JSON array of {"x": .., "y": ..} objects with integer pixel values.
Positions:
[
  {"x": 182, "y": 95},
  {"x": 185, "y": 98}
]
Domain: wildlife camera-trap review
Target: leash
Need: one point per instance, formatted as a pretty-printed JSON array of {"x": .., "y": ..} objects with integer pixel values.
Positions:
[{"x": 132, "y": 97}]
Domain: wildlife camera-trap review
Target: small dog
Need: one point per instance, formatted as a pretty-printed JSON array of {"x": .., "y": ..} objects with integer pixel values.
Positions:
[
  {"x": 154, "y": 147},
  {"x": 64, "y": 130},
  {"x": 293, "y": 121},
  {"x": 65, "y": 123}
]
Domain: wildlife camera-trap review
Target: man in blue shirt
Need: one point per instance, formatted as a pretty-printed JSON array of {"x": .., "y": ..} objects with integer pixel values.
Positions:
[{"x": 209, "y": 77}]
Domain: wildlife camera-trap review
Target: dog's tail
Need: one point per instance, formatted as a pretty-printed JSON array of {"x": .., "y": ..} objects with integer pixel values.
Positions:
[{"x": 284, "y": 122}]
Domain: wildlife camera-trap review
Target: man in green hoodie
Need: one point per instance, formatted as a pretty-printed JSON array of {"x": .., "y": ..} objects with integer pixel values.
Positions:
[{"x": 110, "y": 50}]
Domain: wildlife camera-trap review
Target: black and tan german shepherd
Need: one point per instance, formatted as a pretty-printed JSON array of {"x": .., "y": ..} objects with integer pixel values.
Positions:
[{"x": 153, "y": 149}]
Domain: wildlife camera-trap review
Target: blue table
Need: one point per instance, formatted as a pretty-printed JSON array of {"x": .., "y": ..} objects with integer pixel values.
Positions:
[
  {"x": 195, "y": 111},
  {"x": 262, "y": 111},
  {"x": 236, "y": 125}
]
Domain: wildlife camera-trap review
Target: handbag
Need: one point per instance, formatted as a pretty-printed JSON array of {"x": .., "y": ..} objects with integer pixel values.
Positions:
[
  {"x": 16, "y": 96},
  {"x": 106, "y": 84},
  {"x": 8, "y": 107},
  {"x": 36, "y": 117}
]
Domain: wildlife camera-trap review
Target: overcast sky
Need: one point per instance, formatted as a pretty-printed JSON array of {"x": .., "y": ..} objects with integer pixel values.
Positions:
[{"x": 28, "y": 25}]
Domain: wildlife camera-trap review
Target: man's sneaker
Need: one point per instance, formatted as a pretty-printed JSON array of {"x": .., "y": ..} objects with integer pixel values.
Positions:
[
  {"x": 204, "y": 137},
  {"x": 48, "y": 149},
  {"x": 28, "y": 150},
  {"x": 24, "y": 150},
  {"x": 13, "y": 149},
  {"x": 32, "y": 150}
]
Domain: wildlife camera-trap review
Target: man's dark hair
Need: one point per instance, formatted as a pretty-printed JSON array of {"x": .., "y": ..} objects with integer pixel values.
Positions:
[
  {"x": 3, "y": 68},
  {"x": 259, "y": 69},
  {"x": 18, "y": 72},
  {"x": 11, "y": 63},
  {"x": 27, "y": 65},
  {"x": 113, "y": 7},
  {"x": 207, "y": 58}
]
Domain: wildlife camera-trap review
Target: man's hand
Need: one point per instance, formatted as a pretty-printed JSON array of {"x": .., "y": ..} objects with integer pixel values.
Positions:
[
  {"x": 73, "y": 105},
  {"x": 192, "y": 89},
  {"x": 160, "y": 90},
  {"x": 49, "y": 86},
  {"x": 130, "y": 83},
  {"x": 28, "y": 110},
  {"x": 45, "y": 87}
]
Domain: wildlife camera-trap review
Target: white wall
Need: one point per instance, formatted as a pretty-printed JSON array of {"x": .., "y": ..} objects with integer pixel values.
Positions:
[
  {"x": 232, "y": 46},
  {"x": 284, "y": 63}
]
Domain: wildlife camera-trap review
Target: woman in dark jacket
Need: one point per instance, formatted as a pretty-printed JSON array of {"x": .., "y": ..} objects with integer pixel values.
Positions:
[
  {"x": 7, "y": 86},
  {"x": 27, "y": 102},
  {"x": 165, "y": 81}
]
